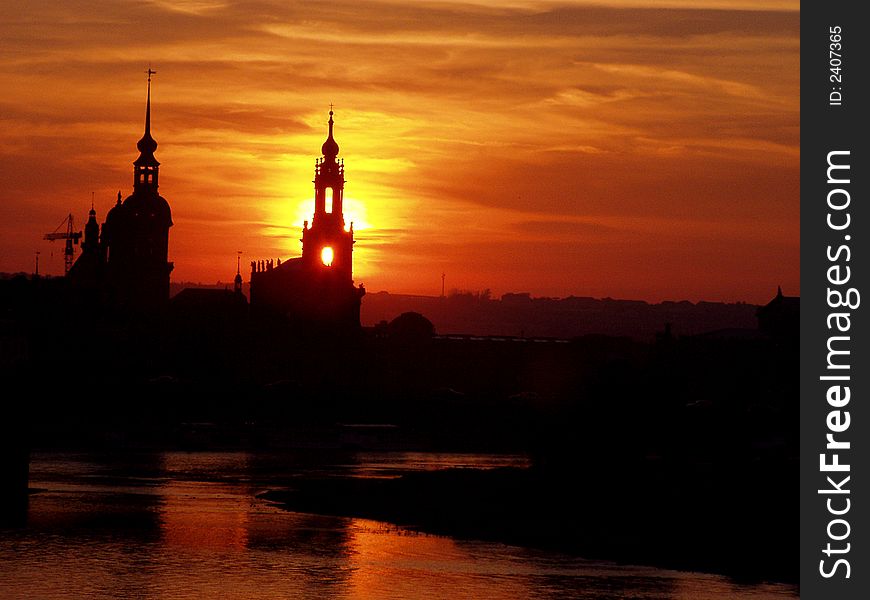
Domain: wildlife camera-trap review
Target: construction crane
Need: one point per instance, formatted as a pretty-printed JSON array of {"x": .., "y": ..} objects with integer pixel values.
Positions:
[{"x": 64, "y": 231}]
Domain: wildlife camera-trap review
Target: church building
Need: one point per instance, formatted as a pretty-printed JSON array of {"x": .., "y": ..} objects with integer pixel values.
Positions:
[
  {"x": 317, "y": 287},
  {"x": 125, "y": 261}
]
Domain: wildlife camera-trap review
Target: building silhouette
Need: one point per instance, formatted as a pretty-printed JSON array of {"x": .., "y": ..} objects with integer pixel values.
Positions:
[
  {"x": 87, "y": 272},
  {"x": 316, "y": 288},
  {"x": 124, "y": 263},
  {"x": 780, "y": 318}
]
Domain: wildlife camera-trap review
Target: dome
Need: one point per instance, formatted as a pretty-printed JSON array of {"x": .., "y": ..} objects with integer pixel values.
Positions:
[
  {"x": 115, "y": 212},
  {"x": 330, "y": 146},
  {"x": 411, "y": 327},
  {"x": 147, "y": 145},
  {"x": 142, "y": 205}
]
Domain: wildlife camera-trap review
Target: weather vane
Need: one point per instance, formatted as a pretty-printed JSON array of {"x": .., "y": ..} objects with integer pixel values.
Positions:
[{"x": 150, "y": 72}]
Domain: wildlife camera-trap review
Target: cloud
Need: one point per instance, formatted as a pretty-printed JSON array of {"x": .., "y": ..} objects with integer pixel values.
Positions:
[{"x": 463, "y": 124}]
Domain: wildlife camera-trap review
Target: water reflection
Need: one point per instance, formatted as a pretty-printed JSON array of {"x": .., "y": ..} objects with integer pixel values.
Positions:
[
  {"x": 197, "y": 515},
  {"x": 188, "y": 525}
]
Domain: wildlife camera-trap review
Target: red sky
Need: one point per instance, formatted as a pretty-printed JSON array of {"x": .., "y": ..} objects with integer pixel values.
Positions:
[{"x": 633, "y": 149}]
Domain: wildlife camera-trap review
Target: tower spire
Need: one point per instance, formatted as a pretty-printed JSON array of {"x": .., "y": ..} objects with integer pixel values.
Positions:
[
  {"x": 150, "y": 72},
  {"x": 330, "y": 146},
  {"x": 147, "y": 145},
  {"x": 146, "y": 165},
  {"x": 237, "y": 280}
]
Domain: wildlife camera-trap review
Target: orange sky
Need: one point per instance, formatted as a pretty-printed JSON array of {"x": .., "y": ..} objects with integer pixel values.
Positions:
[{"x": 633, "y": 149}]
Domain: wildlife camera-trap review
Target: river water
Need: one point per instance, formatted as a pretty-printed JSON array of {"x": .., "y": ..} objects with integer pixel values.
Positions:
[{"x": 181, "y": 525}]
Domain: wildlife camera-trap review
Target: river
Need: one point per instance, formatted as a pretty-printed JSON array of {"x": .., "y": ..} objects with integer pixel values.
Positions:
[{"x": 185, "y": 525}]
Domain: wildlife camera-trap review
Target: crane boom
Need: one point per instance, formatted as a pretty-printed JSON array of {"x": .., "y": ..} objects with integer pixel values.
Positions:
[
  {"x": 62, "y": 236},
  {"x": 71, "y": 237}
]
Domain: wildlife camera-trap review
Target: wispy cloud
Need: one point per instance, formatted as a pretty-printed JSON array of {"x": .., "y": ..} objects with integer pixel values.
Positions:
[{"x": 459, "y": 122}]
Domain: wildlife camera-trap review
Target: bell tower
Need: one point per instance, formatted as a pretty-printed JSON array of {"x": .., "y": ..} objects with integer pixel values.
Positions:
[
  {"x": 327, "y": 247},
  {"x": 146, "y": 167},
  {"x": 135, "y": 236},
  {"x": 316, "y": 290}
]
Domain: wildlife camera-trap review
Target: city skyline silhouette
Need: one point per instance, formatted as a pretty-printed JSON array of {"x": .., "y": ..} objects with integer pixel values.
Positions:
[
  {"x": 473, "y": 299},
  {"x": 527, "y": 151}
]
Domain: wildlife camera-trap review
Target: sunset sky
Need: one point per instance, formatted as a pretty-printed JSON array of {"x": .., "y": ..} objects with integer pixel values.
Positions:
[{"x": 639, "y": 149}]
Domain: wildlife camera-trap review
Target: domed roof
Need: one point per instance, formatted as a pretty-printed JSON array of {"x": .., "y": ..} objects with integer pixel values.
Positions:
[
  {"x": 92, "y": 219},
  {"x": 330, "y": 146},
  {"x": 142, "y": 205},
  {"x": 147, "y": 145},
  {"x": 411, "y": 326},
  {"x": 115, "y": 211},
  {"x": 92, "y": 228}
]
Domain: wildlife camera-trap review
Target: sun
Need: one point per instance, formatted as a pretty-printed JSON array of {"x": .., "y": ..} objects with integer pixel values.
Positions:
[{"x": 326, "y": 256}]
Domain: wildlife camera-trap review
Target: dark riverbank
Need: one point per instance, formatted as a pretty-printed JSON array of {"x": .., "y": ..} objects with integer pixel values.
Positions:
[
  {"x": 14, "y": 471},
  {"x": 677, "y": 451},
  {"x": 740, "y": 524}
]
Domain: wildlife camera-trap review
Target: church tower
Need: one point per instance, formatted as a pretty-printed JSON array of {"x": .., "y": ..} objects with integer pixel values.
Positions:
[
  {"x": 146, "y": 167},
  {"x": 237, "y": 281},
  {"x": 326, "y": 245},
  {"x": 316, "y": 289},
  {"x": 87, "y": 272},
  {"x": 135, "y": 236},
  {"x": 91, "y": 243}
]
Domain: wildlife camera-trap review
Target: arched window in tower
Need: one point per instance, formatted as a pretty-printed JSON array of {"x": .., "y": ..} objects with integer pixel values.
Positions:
[{"x": 328, "y": 197}]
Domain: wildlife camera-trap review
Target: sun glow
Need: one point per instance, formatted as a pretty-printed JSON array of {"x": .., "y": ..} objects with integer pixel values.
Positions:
[
  {"x": 326, "y": 256},
  {"x": 295, "y": 214},
  {"x": 508, "y": 163}
]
